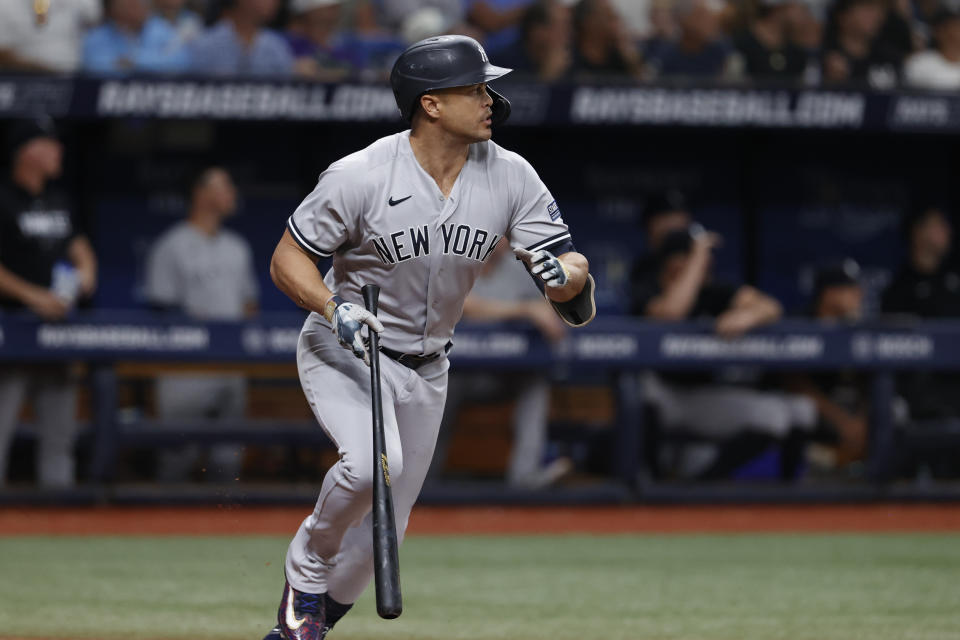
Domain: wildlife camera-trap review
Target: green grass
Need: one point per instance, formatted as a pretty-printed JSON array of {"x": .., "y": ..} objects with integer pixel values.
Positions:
[{"x": 743, "y": 587}]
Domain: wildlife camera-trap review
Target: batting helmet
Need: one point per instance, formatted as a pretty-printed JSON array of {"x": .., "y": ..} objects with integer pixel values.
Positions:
[{"x": 441, "y": 63}]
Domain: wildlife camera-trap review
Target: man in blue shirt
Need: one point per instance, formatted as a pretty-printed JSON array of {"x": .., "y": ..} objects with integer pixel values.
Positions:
[
  {"x": 240, "y": 45},
  {"x": 187, "y": 23},
  {"x": 130, "y": 40},
  {"x": 701, "y": 50}
]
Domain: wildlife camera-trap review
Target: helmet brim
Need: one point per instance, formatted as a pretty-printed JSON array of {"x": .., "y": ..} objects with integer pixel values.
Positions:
[{"x": 488, "y": 73}]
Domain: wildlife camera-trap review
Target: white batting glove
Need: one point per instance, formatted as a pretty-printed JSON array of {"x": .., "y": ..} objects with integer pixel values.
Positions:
[
  {"x": 346, "y": 320},
  {"x": 545, "y": 266}
]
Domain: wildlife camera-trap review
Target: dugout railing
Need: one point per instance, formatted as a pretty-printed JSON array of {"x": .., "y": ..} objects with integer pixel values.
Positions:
[{"x": 614, "y": 349}]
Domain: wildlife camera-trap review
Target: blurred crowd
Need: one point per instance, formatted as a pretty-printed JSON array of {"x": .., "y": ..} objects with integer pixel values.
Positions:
[
  {"x": 736, "y": 414},
  {"x": 875, "y": 43}
]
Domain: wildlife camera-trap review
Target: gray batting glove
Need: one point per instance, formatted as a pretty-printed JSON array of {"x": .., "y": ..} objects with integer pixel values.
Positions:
[
  {"x": 545, "y": 266},
  {"x": 346, "y": 320}
]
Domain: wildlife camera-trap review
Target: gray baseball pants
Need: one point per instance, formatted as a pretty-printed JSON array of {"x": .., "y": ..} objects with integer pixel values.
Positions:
[
  {"x": 54, "y": 398},
  {"x": 332, "y": 551}
]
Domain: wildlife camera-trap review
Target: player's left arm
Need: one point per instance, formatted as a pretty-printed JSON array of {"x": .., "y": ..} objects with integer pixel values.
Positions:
[
  {"x": 577, "y": 269},
  {"x": 565, "y": 281},
  {"x": 541, "y": 238}
]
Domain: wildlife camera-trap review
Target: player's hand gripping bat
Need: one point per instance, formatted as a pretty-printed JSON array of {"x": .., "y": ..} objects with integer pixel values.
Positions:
[{"x": 386, "y": 567}]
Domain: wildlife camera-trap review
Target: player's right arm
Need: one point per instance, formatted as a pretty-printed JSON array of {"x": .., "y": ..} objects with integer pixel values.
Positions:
[
  {"x": 319, "y": 226},
  {"x": 295, "y": 272}
]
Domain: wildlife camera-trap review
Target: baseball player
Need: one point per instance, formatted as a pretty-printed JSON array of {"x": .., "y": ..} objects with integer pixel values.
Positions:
[{"x": 416, "y": 213}]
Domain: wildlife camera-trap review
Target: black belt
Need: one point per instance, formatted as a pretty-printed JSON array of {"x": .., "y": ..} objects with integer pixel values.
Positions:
[{"x": 413, "y": 361}]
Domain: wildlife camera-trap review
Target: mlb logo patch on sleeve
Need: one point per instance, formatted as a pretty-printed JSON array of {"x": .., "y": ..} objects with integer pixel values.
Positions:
[{"x": 553, "y": 210}]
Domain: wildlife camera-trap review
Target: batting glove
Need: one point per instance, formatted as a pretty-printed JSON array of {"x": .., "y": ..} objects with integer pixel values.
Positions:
[
  {"x": 549, "y": 269},
  {"x": 346, "y": 320}
]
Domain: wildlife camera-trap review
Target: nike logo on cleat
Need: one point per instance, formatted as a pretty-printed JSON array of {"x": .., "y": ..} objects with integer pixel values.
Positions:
[
  {"x": 394, "y": 203},
  {"x": 291, "y": 618}
]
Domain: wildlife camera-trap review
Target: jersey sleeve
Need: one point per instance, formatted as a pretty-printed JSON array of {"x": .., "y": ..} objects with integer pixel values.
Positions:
[
  {"x": 322, "y": 222},
  {"x": 536, "y": 222}
]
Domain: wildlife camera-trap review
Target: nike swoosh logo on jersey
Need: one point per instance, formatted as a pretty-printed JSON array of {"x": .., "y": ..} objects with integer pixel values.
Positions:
[
  {"x": 394, "y": 203},
  {"x": 291, "y": 619}
]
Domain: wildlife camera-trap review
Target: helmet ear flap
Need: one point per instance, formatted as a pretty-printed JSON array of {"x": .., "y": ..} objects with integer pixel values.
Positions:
[
  {"x": 413, "y": 108},
  {"x": 500, "y": 108}
]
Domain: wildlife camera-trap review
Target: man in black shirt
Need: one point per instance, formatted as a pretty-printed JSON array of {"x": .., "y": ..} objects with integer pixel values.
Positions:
[
  {"x": 602, "y": 47},
  {"x": 46, "y": 264},
  {"x": 766, "y": 47},
  {"x": 854, "y": 50},
  {"x": 745, "y": 419},
  {"x": 662, "y": 213},
  {"x": 927, "y": 287},
  {"x": 842, "y": 396}
]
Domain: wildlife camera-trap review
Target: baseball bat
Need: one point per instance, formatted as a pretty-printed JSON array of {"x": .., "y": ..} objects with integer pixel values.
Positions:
[{"x": 386, "y": 566}]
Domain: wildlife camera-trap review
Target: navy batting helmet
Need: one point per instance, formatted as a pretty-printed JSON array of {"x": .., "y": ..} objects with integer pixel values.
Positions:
[{"x": 441, "y": 63}]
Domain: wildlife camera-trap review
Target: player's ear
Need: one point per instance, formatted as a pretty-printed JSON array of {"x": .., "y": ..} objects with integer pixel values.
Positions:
[{"x": 430, "y": 103}]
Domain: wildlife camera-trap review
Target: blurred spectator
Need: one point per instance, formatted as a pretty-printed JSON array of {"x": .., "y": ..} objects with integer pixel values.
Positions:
[
  {"x": 841, "y": 396},
  {"x": 312, "y": 34},
  {"x": 838, "y": 293},
  {"x": 415, "y": 20},
  {"x": 938, "y": 67},
  {"x": 602, "y": 46},
  {"x": 700, "y": 49},
  {"x": 133, "y": 40},
  {"x": 240, "y": 43},
  {"x": 46, "y": 264},
  {"x": 685, "y": 287},
  {"x": 185, "y": 22},
  {"x": 543, "y": 51},
  {"x": 45, "y": 35},
  {"x": 324, "y": 51},
  {"x": 926, "y": 286},
  {"x": 429, "y": 22},
  {"x": 924, "y": 14},
  {"x": 663, "y": 24},
  {"x": 504, "y": 292},
  {"x": 806, "y": 29},
  {"x": 765, "y": 45},
  {"x": 662, "y": 213},
  {"x": 896, "y": 32},
  {"x": 746, "y": 421},
  {"x": 498, "y": 20},
  {"x": 637, "y": 16},
  {"x": 853, "y": 49},
  {"x": 205, "y": 271}
]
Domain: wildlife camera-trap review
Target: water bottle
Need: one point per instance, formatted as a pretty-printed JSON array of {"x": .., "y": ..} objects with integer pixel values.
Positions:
[{"x": 64, "y": 282}]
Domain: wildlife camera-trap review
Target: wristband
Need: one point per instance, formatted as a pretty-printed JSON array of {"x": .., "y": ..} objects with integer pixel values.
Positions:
[{"x": 331, "y": 306}]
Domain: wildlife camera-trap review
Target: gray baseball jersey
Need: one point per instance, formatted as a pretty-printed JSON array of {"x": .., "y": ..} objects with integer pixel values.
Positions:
[
  {"x": 204, "y": 276},
  {"x": 385, "y": 221}
]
